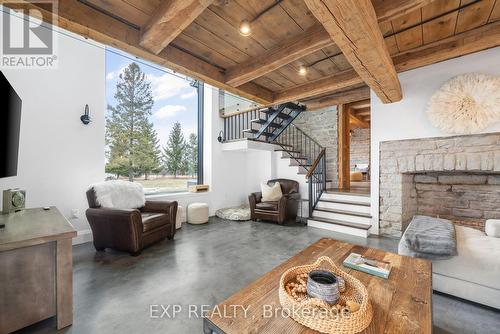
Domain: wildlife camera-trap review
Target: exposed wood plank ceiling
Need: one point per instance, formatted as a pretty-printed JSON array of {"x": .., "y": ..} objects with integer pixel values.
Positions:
[{"x": 210, "y": 48}]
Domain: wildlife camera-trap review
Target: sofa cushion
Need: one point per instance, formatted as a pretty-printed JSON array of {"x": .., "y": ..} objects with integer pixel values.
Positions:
[
  {"x": 150, "y": 221},
  {"x": 271, "y": 193},
  {"x": 492, "y": 228},
  {"x": 477, "y": 259},
  {"x": 267, "y": 206}
]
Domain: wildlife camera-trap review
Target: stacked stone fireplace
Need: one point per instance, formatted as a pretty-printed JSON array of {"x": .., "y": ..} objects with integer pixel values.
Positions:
[{"x": 456, "y": 178}]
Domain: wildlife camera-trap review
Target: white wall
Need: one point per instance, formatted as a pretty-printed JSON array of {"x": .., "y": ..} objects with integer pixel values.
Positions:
[
  {"x": 58, "y": 155},
  {"x": 232, "y": 175},
  {"x": 407, "y": 119}
]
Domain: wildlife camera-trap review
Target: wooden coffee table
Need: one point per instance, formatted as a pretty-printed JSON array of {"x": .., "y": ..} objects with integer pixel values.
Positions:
[{"x": 401, "y": 304}]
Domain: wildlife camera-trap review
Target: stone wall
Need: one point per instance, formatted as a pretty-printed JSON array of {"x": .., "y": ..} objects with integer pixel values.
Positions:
[
  {"x": 360, "y": 147},
  {"x": 460, "y": 157},
  {"x": 321, "y": 125},
  {"x": 462, "y": 196}
]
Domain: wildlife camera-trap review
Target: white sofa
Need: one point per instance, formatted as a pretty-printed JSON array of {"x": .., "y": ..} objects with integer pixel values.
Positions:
[{"x": 474, "y": 274}]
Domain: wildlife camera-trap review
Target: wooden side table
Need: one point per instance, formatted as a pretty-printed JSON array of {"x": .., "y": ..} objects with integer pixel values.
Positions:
[{"x": 36, "y": 269}]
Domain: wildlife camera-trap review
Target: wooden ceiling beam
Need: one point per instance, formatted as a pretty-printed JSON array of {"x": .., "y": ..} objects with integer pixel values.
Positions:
[
  {"x": 353, "y": 26},
  {"x": 169, "y": 20},
  {"x": 482, "y": 38},
  {"x": 360, "y": 104},
  {"x": 84, "y": 20},
  {"x": 357, "y": 122},
  {"x": 307, "y": 42},
  {"x": 475, "y": 40},
  {"x": 388, "y": 10},
  {"x": 324, "y": 85},
  {"x": 338, "y": 98},
  {"x": 362, "y": 112}
]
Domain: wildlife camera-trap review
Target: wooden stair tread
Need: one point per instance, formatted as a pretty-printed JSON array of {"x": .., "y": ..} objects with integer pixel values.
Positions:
[
  {"x": 339, "y": 201},
  {"x": 345, "y": 212},
  {"x": 351, "y": 192},
  {"x": 342, "y": 222}
]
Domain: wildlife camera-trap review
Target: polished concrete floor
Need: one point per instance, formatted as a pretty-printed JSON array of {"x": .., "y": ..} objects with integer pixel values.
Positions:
[{"x": 113, "y": 292}]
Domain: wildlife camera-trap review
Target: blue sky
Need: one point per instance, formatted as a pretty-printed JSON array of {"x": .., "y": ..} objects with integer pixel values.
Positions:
[{"x": 175, "y": 100}]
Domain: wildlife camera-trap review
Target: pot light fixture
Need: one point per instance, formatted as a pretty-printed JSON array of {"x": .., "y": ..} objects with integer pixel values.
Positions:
[
  {"x": 245, "y": 28},
  {"x": 302, "y": 70}
]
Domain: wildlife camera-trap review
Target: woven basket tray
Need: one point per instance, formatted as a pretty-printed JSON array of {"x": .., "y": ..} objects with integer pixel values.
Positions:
[{"x": 317, "y": 314}]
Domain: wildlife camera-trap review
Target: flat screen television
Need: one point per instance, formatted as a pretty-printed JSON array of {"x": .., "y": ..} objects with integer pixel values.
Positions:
[{"x": 10, "y": 123}]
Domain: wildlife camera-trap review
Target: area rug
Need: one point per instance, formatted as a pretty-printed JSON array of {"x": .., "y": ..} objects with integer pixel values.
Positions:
[{"x": 236, "y": 213}]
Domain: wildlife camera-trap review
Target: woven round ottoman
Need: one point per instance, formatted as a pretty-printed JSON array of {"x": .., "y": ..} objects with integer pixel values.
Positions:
[{"x": 197, "y": 213}]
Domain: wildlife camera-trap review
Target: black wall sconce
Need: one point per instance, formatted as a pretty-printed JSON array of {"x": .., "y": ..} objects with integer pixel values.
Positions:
[
  {"x": 85, "y": 118},
  {"x": 220, "y": 139}
]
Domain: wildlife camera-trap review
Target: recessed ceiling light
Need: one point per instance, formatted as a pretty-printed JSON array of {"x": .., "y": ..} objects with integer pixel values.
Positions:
[
  {"x": 302, "y": 70},
  {"x": 245, "y": 28}
]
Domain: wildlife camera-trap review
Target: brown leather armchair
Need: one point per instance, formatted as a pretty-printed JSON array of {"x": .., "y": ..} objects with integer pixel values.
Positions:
[
  {"x": 280, "y": 211},
  {"x": 130, "y": 230}
]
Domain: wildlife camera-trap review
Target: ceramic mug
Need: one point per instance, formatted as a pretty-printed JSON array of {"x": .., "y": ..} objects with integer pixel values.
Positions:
[{"x": 323, "y": 285}]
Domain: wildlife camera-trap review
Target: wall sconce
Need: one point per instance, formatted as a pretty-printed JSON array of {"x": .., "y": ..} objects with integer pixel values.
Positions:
[
  {"x": 85, "y": 118},
  {"x": 220, "y": 138}
]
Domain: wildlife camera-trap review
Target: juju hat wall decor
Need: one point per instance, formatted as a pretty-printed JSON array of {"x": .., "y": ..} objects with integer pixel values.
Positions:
[{"x": 466, "y": 104}]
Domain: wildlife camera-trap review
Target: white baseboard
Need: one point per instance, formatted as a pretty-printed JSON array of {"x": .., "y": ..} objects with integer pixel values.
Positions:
[{"x": 83, "y": 237}]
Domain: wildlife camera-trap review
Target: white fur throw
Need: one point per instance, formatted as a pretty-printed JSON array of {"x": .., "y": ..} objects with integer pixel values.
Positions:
[
  {"x": 118, "y": 194},
  {"x": 271, "y": 193}
]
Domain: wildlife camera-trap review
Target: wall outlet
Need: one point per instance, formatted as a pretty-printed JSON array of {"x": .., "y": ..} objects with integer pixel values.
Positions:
[{"x": 75, "y": 213}]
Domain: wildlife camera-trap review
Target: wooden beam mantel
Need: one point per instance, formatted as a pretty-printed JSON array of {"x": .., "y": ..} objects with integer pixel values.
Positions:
[
  {"x": 307, "y": 42},
  {"x": 85, "y": 21},
  {"x": 353, "y": 26},
  {"x": 171, "y": 18}
]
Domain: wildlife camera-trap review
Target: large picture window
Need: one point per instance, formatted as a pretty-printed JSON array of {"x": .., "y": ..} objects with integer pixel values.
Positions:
[{"x": 153, "y": 125}]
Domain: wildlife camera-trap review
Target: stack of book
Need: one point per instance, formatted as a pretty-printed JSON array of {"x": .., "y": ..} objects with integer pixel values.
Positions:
[{"x": 369, "y": 266}]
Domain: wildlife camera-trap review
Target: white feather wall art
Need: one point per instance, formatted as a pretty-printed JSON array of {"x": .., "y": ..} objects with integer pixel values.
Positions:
[{"x": 466, "y": 104}]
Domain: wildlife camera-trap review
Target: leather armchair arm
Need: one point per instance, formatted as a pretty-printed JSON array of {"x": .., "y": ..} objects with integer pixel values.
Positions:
[
  {"x": 253, "y": 199},
  {"x": 293, "y": 196},
  {"x": 159, "y": 206},
  {"x": 120, "y": 229},
  {"x": 167, "y": 207},
  {"x": 258, "y": 196}
]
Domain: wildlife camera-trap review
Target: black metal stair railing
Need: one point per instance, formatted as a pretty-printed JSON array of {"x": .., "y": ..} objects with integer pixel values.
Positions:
[
  {"x": 274, "y": 125},
  {"x": 301, "y": 147},
  {"x": 270, "y": 122},
  {"x": 310, "y": 155},
  {"x": 316, "y": 180}
]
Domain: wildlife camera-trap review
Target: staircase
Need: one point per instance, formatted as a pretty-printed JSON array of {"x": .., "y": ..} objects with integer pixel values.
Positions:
[
  {"x": 337, "y": 211},
  {"x": 343, "y": 212},
  {"x": 274, "y": 122}
]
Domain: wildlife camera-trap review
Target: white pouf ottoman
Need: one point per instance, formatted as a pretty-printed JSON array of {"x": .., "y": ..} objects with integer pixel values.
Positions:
[
  {"x": 180, "y": 217},
  {"x": 197, "y": 213}
]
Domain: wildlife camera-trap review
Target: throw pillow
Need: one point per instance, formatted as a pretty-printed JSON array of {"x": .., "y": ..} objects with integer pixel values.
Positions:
[
  {"x": 492, "y": 228},
  {"x": 271, "y": 193}
]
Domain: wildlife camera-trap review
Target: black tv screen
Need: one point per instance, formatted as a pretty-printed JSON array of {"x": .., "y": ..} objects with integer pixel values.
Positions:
[{"x": 10, "y": 122}]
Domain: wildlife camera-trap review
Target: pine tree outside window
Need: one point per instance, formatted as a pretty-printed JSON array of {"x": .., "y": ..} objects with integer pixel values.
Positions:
[{"x": 152, "y": 125}]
